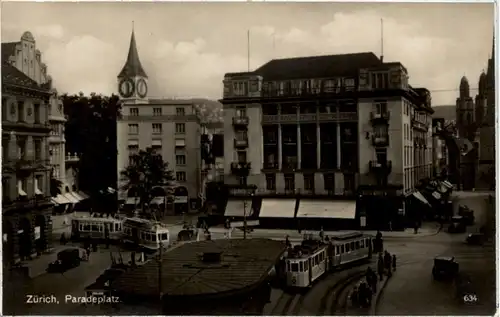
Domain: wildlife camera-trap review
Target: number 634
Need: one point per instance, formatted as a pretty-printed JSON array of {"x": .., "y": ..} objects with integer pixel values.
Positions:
[{"x": 470, "y": 298}]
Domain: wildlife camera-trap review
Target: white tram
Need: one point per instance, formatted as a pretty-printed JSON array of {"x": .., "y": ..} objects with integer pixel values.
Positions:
[
  {"x": 306, "y": 263},
  {"x": 96, "y": 228},
  {"x": 145, "y": 233}
]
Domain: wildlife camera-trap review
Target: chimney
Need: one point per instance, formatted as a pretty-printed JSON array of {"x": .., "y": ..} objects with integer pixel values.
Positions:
[{"x": 382, "y": 58}]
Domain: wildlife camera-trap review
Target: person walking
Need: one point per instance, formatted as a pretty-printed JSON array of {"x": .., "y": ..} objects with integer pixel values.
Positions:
[
  {"x": 321, "y": 234},
  {"x": 287, "y": 242},
  {"x": 63, "y": 239},
  {"x": 380, "y": 267},
  {"x": 394, "y": 262},
  {"x": 354, "y": 297},
  {"x": 387, "y": 260}
]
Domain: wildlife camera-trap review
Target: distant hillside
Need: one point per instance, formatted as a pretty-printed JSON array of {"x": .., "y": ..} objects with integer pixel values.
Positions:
[
  {"x": 446, "y": 112},
  {"x": 210, "y": 110}
]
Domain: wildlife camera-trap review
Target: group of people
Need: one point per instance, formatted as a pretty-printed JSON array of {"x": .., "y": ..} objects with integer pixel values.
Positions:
[{"x": 386, "y": 263}]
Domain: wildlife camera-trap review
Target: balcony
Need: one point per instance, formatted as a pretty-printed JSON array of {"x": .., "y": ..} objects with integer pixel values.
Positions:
[
  {"x": 240, "y": 143},
  {"x": 383, "y": 168},
  {"x": 29, "y": 165},
  {"x": 241, "y": 121},
  {"x": 382, "y": 117},
  {"x": 241, "y": 168},
  {"x": 418, "y": 125},
  {"x": 310, "y": 117},
  {"x": 380, "y": 140}
]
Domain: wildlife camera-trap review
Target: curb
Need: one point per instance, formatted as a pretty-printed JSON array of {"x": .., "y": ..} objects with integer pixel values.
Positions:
[{"x": 375, "y": 301}]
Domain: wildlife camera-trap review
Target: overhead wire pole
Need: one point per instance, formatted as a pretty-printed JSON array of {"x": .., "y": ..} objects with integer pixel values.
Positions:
[
  {"x": 248, "y": 50},
  {"x": 382, "y": 40}
]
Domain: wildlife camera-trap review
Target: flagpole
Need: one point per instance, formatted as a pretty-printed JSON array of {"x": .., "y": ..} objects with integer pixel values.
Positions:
[{"x": 248, "y": 50}]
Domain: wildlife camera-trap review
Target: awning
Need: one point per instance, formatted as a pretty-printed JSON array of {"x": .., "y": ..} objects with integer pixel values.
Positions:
[
  {"x": 72, "y": 199},
  {"x": 133, "y": 142},
  {"x": 180, "y": 143},
  {"x": 447, "y": 184},
  {"x": 237, "y": 208},
  {"x": 77, "y": 196},
  {"x": 157, "y": 201},
  {"x": 132, "y": 201},
  {"x": 20, "y": 190},
  {"x": 156, "y": 143},
  {"x": 83, "y": 195},
  {"x": 436, "y": 195},
  {"x": 37, "y": 190},
  {"x": 277, "y": 208},
  {"x": 327, "y": 209},
  {"x": 421, "y": 197},
  {"x": 60, "y": 200}
]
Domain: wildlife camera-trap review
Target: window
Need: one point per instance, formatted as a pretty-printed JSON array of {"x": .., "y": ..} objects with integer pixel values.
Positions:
[
  {"x": 36, "y": 110},
  {"x": 289, "y": 182},
  {"x": 5, "y": 149},
  {"x": 157, "y": 128},
  {"x": 241, "y": 112},
  {"x": 295, "y": 267},
  {"x": 380, "y": 107},
  {"x": 342, "y": 249},
  {"x": 240, "y": 88},
  {"x": 180, "y": 176},
  {"x": 243, "y": 180},
  {"x": 380, "y": 80},
  {"x": 21, "y": 148},
  {"x": 306, "y": 266},
  {"x": 20, "y": 111},
  {"x": 329, "y": 182},
  {"x": 164, "y": 236},
  {"x": 134, "y": 112},
  {"x": 309, "y": 181},
  {"x": 133, "y": 128},
  {"x": 381, "y": 155},
  {"x": 180, "y": 128},
  {"x": 156, "y": 112},
  {"x": 362, "y": 243},
  {"x": 5, "y": 188},
  {"x": 180, "y": 159},
  {"x": 347, "y": 248},
  {"x": 180, "y": 111},
  {"x": 242, "y": 156},
  {"x": 38, "y": 149},
  {"x": 380, "y": 131},
  {"x": 357, "y": 245},
  {"x": 271, "y": 181},
  {"x": 241, "y": 136}
]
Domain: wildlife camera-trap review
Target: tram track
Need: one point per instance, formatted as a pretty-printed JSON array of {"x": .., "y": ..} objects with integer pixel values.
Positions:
[{"x": 334, "y": 302}]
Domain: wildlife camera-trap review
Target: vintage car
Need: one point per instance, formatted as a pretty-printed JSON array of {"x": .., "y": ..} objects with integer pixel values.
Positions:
[
  {"x": 66, "y": 259},
  {"x": 445, "y": 268},
  {"x": 475, "y": 238},
  {"x": 457, "y": 225}
]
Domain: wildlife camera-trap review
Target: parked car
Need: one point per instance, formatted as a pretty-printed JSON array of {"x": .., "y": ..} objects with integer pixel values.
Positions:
[
  {"x": 66, "y": 259},
  {"x": 445, "y": 268},
  {"x": 457, "y": 225},
  {"x": 475, "y": 238}
]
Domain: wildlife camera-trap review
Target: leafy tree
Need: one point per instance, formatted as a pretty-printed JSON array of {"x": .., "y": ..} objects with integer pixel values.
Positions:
[{"x": 146, "y": 171}]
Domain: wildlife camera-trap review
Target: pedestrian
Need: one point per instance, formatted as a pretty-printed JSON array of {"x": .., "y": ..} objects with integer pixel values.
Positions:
[
  {"x": 380, "y": 267},
  {"x": 387, "y": 260},
  {"x": 390, "y": 225},
  {"x": 88, "y": 253},
  {"x": 327, "y": 239},
  {"x": 228, "y": 223},
  {"x": 394, "y": 262},
  {"x": 321, "y": 234},
  {"x": 63, "y": 239},
  {"x": 287, "y": 242},
  {"x": 378, "y": 236},
  {"x": 354, "y": 297},
  {"x": 415, "y": 228}
]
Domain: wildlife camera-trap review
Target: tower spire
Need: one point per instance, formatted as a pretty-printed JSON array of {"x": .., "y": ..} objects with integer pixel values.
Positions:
[{"x": 133, "y": 66}]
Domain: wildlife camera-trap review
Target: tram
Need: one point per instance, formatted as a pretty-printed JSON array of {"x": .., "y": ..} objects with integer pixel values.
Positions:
[
  {"x": 306, "y": 263},
  {"x": 148, "y": 234},
  {"x": 96, "y": 228}
]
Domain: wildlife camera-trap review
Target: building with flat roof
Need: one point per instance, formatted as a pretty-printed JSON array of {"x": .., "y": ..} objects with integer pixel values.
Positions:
[
  {"x": 169, "y": 126},
  {"x": 335, "y": 126}
]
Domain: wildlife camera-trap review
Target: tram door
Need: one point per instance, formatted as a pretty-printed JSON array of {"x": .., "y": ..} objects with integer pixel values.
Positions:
[{"x": 310, "y": 269}]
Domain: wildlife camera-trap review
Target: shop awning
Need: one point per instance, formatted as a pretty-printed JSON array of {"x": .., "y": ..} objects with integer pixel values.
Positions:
[
  {"x": 72, "y": 199},
  {"x": 436, "y": 195},
  {"x": 327, "y": 209},
  {"x": 83, "y": 195},
  {"x": 421, "y": 197},
  {"x": 77, "y": 196},
  {"x": 132, "y": 201},
  {"x": 277, "y": 208},
  {"x": 157, "y": 201},
  {"x": 237, "y": 208},
  {"x": 60, "y": 200},
  {"x": 447, "y": 184}
]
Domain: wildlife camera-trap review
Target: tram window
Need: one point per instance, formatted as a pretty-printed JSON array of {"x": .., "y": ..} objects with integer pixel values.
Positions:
[
  {"x": 337, "y": 249},
  {"x": 117, "y": 227},
  {"x": 153, "y": 237},
  {"x": 301, "y": 266},
  {"x": 347, "y": 247},
  {"x": 362, "y": 243},
  {"x": 342, "y": 249},
  {"x": 357, "y": 245},
  {"x": 94, "y": 227},
  {"x": 367, "y": 242},
  {"x": 352, "y": 246},
  {"x": 288, "y": 266},
  {"x": 86, "y": 227},
  {"x": 80, "y": 227},
  {"x": 316, "y": 259},
  {"x": 306, "y": 265},
  {"x": 295, "y": 267},
  {"x": 164, "y": 236}
]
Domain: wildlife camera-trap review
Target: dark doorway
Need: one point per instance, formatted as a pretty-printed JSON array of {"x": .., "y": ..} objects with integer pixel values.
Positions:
[
  {"x": 25, "y": 238},
  {"x": 41, "y": 241},
  {"x": 181, "y": 203}
]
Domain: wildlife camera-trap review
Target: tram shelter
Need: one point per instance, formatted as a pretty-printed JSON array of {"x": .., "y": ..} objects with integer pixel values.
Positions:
[{"x": 216, "y": 277}]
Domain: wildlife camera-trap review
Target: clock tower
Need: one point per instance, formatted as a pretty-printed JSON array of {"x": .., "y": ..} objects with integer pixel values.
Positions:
[{"x": 132, "y": 80}]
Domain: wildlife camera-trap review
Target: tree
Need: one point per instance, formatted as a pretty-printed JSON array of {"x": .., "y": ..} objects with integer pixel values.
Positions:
[
  {"x": 146, "y": 171},
  {"x": 90, "y": 131}
]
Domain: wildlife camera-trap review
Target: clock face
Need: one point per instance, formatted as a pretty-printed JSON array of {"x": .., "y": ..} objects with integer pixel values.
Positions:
[
  {"x": 126, "y": 88},
  {"x": 142, "y": 88}
]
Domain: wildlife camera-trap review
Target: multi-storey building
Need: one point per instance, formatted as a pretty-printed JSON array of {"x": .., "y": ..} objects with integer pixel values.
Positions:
[
  {"x": 169, "y": 126},
  {"x": 26, "y": 202},
  {"x": 326, "y": 126}
]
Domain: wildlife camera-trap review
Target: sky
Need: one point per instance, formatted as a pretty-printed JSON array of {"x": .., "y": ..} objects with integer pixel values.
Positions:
[{"x": 186, "y": 48}]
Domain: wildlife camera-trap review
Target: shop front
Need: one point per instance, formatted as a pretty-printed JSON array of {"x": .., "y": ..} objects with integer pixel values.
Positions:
[
  {"x": 383, "y": 207},
  {"x": 181, "y": 200}
]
